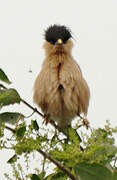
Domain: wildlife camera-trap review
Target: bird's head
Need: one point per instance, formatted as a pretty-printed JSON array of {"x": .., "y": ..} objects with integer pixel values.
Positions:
[{"x": 58, "y": 39}]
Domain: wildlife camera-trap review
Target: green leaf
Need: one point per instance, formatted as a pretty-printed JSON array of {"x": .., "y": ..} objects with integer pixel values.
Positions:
[
  {"x": 74, "y": 136},
  {"x": 3, "y": 77},
  {"x": 2, "y": 127},
  {"x": 87, "y": 171},
  {"x": 41, "y": 175},
  {"x": 35, "y": 177},
  {"x": 9, "y": 96},
  {"x": 101, "y": 153},
  {"x": 35, "y": 125},
  {"x": 56, "y": 176},
  {"x": 114, "y": 175},
  {"x": 10, "y": 117},
  {"x": 21, "y": 131},
  {"x": 12, "y": 159}
]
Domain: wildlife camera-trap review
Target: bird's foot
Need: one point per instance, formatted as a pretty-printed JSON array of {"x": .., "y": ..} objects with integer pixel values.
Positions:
[
  {"x": 85, "y": 122},
  {"x": 46, "y": 118}
]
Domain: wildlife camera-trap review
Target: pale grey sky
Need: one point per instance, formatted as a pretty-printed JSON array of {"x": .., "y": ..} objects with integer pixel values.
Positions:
[{"x": 94, "y": 27}]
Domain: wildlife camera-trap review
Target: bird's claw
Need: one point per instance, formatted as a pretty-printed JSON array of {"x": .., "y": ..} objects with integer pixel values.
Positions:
[
  {"x": 85, "y": 122},
  {"x": 46, "y": 118}
]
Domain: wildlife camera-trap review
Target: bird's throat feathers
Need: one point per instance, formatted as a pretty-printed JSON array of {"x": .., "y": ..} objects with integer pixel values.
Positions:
[{"x": 52, "y": 50}]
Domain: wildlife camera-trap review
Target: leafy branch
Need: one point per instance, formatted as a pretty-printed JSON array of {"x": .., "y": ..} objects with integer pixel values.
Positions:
[
  {"x": 46, "y": 155},
  {"x": 95, "y": 159}
]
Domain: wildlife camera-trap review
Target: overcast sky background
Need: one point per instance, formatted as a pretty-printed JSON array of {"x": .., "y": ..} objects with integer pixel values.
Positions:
[{"x": 94, "y": 27}]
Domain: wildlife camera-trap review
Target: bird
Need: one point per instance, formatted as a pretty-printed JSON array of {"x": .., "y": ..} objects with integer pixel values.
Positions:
[{"x": 60, "y": 89}]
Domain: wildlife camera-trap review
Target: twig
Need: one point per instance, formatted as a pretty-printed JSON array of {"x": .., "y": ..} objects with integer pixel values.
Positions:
[
  {"x": 43, "y": 166},
  {"x": 58, "y": 164},
  {"x": 31, "y": 107},
  {"x": 42, "y": 115},
  {"x": 1, "y": 85},
  {"x": 10, "y": 129}
]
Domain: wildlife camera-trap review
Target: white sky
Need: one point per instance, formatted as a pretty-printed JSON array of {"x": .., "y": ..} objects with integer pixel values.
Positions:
[{"x": 94, "y": 27}]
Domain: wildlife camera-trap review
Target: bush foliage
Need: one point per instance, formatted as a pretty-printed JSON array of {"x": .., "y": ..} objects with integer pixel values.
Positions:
[{"x": 81, "y": 156}]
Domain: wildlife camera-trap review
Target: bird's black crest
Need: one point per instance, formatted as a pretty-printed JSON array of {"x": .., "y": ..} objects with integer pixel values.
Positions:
[{"x": 54, "y": 32}]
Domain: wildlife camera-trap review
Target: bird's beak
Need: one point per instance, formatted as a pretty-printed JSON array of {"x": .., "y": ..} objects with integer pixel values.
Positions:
[{"x": 59, "y": 41}]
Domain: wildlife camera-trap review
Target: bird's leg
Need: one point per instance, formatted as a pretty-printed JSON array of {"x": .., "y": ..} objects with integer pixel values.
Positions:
[
  {"x": 85, "y": 121},
  {"x": 46, "y": 118}
]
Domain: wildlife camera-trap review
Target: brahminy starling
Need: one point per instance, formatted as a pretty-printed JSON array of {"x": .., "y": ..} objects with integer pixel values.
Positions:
[{"x": 60, "y": 89}]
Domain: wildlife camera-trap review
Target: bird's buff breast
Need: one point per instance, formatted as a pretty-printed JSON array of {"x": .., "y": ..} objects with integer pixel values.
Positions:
[{"x": 56, "y": 93}]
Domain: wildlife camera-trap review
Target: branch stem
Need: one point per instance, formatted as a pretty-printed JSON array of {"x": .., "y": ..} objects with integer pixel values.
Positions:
[
  {"x": 10, "y": 129},
  {"x": 58, "y": 164}
]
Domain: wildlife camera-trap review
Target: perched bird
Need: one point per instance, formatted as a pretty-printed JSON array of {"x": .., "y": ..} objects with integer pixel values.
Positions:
[{"x": 60, "y": 89}]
